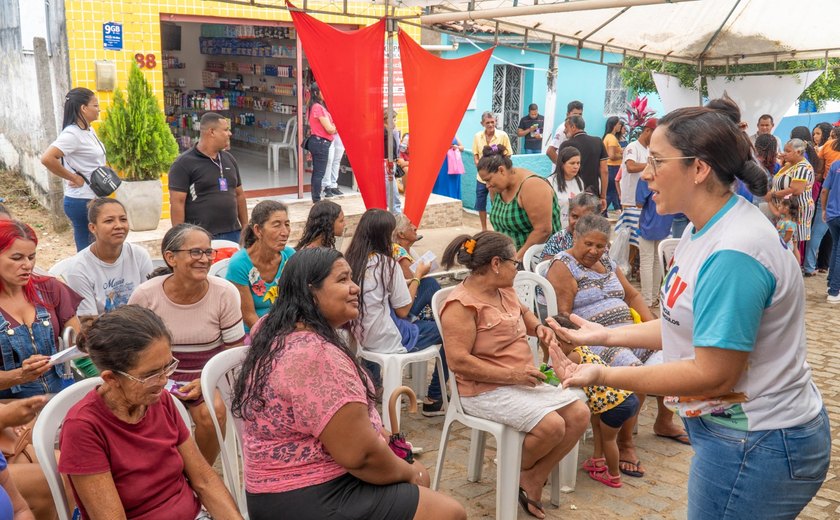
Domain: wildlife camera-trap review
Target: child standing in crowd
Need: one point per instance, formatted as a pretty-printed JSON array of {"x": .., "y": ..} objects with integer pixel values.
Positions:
[
  {"x": 786, "y": 211},
  {"x": 610, "y": 408}
]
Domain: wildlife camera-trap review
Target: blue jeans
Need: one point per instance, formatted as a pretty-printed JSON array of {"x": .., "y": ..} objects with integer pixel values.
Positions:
[
  {"x": 427, "y": 289},
  {"x": 480, "y": 196},
  {"x": 320, "y": 150},
  {"x": 770, "y": 474},
  {"x": 233, "y": 236},
  {"x": 76, "y": 211},
  {"x": 528, "y": 151},
  {"x": 678, "y": 226},
  {"x": 612, "y": 191},
  {"x": 818, "y": 230},
  {"x": 834, "y": 263}
]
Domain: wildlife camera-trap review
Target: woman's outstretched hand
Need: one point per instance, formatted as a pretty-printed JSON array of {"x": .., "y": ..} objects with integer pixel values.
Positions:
[
  {"x": 589, "y": 333},
  {"x": 584, "y": 375}
]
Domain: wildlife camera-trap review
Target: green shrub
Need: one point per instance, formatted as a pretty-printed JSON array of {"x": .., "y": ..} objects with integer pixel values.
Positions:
[{"x": 134, "y": 131}]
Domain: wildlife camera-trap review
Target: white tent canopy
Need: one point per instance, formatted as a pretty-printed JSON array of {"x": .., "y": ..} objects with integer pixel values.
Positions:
[{"x": 703, "y": 32}]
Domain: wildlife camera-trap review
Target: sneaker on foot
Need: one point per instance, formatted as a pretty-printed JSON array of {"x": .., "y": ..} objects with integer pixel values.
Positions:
[
  {"x": 336, "y": 191},
  {"x": 829, "y": 299},
  {"x": 433, "y": 409}
]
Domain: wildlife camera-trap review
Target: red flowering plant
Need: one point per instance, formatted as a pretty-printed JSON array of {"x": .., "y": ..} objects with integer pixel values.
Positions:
[{"x": 637, "y": 115}]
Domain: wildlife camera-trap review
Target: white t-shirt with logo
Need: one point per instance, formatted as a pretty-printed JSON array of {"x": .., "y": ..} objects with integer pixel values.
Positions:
[
  {"x": 105, "y": 286},
  {"x": 83, "y": 153},
  {"x": 559, "y": 136},
  {"x": 734, "y": 286},
  {"x": 638, "y": 153},
  {"x": 380, "y": 333}
]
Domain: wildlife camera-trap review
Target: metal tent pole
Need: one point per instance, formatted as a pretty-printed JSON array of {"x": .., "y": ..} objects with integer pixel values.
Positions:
[{"x": 390, "y": 24}]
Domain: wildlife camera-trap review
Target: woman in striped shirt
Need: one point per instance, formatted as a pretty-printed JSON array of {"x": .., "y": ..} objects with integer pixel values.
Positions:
[{"x": 203, "y": 314}]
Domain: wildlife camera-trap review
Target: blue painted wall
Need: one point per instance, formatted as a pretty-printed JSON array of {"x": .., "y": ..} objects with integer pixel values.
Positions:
[
  {"x": 585, "y": 82},
  {"x": 539, "y": 164},
  {"x": 782, "y": 130}
]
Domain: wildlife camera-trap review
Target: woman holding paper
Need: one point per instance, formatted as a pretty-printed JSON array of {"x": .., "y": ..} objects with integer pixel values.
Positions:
[
  {"x": 33, "y": 312},
  {"x": 384, "y": 324},
  {"x": 404, "y": 236}
]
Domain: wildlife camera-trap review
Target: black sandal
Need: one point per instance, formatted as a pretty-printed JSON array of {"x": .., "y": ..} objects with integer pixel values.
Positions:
[{"x": 524, "y": 501}]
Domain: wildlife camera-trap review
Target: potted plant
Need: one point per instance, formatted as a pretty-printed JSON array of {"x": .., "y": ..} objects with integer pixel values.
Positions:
[{"x": 140, "y": 147}]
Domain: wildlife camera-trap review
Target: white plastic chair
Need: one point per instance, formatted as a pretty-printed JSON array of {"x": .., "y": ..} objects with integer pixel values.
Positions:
[
  {"x": 217, "y": 376},
  {"x": 219, "y": 268},
  {"x": 541, "y": 268},
  {"x": 525, "y": 284},
  {"x": 220, "y": 244},
  {"x": 508, "y": 446},
  {"x": 532, "y": 256},
  {"x": 289, "y": 143},
  {"x": 392, "y": 372},
  {"x": 59, "y": 268},
  {"x": 45, "y": 435},
  {"x": 667, "y": 247}
]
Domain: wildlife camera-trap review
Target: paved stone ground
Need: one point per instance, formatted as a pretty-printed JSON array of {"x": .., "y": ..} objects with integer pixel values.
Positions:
[{"x": 661, "y": 493}]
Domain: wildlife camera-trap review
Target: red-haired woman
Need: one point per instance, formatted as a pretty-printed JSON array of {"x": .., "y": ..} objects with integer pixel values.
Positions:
[{"x": 33, "y": 312}]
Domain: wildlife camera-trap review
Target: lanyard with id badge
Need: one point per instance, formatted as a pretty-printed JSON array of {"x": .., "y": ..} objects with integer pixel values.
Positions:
[{"x": 223, "y": 183}]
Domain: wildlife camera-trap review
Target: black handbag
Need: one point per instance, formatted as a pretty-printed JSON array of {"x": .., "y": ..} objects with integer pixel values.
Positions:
[
  {"x": 305, "y": 143},
  {"x": 103, "y": 181},
  {"x": 398, "y": 171}
]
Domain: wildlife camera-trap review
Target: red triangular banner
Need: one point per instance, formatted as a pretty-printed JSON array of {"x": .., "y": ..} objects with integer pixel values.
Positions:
[
  {"x": 437, "y": 92},
  {"x": 349, "y": 66}
]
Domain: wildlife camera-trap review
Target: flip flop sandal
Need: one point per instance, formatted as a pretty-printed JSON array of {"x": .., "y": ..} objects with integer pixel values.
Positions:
[
  {"x": 682, "y": 438},
  {"x": 605, "y": 478},
  {"x": 629, "y": 472},
  {"x": 524, "y": 501},
  {"x": 591, "y": 464}
]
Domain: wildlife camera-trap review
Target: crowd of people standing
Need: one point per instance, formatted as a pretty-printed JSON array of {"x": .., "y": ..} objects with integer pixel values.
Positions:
[{"x": 303, "y": 311}]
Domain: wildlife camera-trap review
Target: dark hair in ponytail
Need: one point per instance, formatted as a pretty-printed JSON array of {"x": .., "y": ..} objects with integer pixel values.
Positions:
[
  {"x": 73, "y": 103},
  {"x": 115, "y": 340},
  {"x": 477, "y": 251},
  {"x": 713, "y": 136},
  {"x": 259, "y": 216},
  {"x": 493, "y": 157}
]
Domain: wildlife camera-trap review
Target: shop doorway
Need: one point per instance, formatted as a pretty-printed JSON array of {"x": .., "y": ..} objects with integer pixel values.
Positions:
[{"x": 250, "y": 72}]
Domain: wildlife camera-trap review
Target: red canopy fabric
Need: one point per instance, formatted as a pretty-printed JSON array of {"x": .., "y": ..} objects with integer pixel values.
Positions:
[
  {"x": 349, "y": 67},
  {"x": 437, "y": 92}
]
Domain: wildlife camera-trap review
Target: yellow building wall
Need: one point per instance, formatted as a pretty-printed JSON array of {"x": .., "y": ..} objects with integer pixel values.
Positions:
[{"x": 140, "y": 21}]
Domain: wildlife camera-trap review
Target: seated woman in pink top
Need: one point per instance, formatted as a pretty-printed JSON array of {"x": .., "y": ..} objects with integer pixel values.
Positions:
[
  {"x": 484, "y": 334},
  {"x": 313, "y": 442},
  {"x": 202, "y": 312},
  {"x": 125, "y": 448}
]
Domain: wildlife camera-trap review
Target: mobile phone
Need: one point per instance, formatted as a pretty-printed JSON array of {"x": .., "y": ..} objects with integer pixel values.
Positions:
[
  {"x": 564, "y": 321},
  {"x": 174, "y": 388}
]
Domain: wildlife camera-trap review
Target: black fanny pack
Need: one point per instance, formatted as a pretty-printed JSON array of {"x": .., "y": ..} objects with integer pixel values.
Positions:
[{"x": 103, "y": 181}]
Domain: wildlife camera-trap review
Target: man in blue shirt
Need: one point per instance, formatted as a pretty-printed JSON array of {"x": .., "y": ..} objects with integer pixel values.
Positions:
[
  {"x": 830, "y": 202},
  {"x": 653, "y": 227}
]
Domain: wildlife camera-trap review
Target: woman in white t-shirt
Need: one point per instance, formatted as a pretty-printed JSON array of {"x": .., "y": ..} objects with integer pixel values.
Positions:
[
  {"x": 74, "y": 155},
  {"x": 383, "y": 324},
  {"x": 566, "y": 181},
  {"x": 106, "y": 272},
  {"x": 732, "y": 331}
]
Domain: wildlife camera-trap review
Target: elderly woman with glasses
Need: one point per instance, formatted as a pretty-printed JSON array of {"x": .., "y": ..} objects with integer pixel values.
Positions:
[
  {"x": 126, "y": 450},
  {"x": 202, "y": 313}
]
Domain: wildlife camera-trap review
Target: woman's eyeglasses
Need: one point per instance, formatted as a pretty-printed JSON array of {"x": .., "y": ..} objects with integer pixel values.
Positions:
[
  {"x": 197, "y": 253},
  {"x": 654, "y": 162},
  {"x": 154, "y": 378}
]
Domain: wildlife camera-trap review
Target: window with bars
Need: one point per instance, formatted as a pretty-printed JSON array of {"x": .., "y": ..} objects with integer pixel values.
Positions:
[{"x": 615, "y": 96}]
